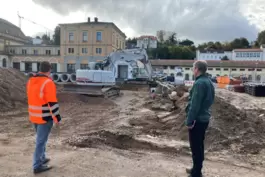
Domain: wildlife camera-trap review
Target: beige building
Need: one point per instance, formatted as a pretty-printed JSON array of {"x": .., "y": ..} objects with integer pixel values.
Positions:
[
  {"x": 9, "y": 35},
  {"x": 254, "y": 70},
  {"x": 27, "y": 58},
  {"x": 89, "y": 41}
]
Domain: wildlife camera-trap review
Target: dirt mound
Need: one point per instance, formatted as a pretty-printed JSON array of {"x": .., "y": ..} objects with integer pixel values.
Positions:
[
  {"x": 117, "y": 140},
  {"x": 231, "y": 128},
  {"x": 241, "y": 131},
  {"x": 12, "y": 89}
]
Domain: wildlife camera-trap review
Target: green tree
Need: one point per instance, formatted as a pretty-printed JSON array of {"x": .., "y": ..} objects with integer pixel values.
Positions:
[
  {"x": 225, "y": 58},
  {"x": 186, "y": 42},
  {"x": 261, "y": 38},
  {"x": 56, "y": 35},
  {"x": 240, "y": 43},
  {"x": 172, "y": 40}
]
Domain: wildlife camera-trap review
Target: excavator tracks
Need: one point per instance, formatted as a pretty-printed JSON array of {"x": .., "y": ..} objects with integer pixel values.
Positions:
[{"x": 92, "y": 90}]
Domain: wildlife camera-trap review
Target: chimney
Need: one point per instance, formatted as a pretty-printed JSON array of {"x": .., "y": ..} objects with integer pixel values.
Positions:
[
  {"x": 96, "y": 19},
  {"x": 88, "y": 19}
]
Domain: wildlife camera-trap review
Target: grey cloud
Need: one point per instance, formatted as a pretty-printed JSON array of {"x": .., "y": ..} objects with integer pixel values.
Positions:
[{"x": 199, "y": 20}]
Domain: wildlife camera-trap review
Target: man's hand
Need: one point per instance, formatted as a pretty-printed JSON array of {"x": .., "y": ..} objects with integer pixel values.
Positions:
[{"x": 191, "y": 127}]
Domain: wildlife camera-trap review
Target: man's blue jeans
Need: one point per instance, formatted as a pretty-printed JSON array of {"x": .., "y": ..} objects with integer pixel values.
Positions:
[{"x": 42, "y": 134}]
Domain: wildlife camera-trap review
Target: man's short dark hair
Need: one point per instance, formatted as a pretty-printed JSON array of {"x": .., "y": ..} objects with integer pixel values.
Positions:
[
  {"x": 45, "y": 67},
  {"x": 201, "y": 65}
]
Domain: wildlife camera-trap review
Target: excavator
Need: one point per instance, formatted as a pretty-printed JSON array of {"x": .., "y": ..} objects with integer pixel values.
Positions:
[{"x": 129, "y": 66}]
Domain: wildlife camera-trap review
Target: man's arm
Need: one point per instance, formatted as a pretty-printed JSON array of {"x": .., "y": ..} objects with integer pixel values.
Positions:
[
  {"x": 51, "y": 97},
  {"x": 196, "y": 101}
]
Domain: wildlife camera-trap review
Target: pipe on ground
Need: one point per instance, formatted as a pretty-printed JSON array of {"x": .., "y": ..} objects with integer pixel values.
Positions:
[
  {"x": 65, "y": 77},
  {"x": 73, "y": 77},
  {"x": 56, "y": 77}
]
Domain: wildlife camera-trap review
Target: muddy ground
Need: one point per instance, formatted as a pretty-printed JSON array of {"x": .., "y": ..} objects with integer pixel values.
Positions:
[{"x": 130, "y": 136}]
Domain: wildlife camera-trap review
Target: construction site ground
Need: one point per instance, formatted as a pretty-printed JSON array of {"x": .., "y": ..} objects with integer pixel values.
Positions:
[{"x": 135, "y": 136}]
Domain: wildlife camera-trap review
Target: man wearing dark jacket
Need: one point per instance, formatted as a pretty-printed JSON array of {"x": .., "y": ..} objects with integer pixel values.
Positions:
[{"x": 198, "y": 115}]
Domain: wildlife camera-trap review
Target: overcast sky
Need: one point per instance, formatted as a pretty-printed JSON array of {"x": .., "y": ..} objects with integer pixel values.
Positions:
[{"x": 198, "y": 20}]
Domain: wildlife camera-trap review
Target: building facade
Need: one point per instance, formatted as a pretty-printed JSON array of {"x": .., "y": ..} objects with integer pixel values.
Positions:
[
  {"x": 27, "y": 58},
  {"x": 9, "y": 35},
  {"x": 90, "y": 41},
  {"x": 254, "y": 70},
  {"x": 251, "y": 54},
  {"x": 146, "y": 42}
]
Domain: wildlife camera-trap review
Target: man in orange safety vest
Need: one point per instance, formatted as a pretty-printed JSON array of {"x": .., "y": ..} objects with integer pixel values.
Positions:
[{"x": 43, "y": 110}]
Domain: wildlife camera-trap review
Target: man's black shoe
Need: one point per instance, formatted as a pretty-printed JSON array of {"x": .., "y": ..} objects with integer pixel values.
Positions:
[
  {"x": 46, "y": 161},
  {"x": 42, "y": 168}
]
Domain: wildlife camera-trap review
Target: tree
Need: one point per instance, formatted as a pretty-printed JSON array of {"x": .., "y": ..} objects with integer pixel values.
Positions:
[
  {"x": 186, "y": 42},
  {"x": 261, "y": 38},
  {"x": 240, "y": 43},
  {"x": 161, "y": 36},
  {"x": 172, "y": 40},
  {"x": 225, "y": 58},
  {"x": 56, "y": 35},
  {"x": 37, "y": 37}
]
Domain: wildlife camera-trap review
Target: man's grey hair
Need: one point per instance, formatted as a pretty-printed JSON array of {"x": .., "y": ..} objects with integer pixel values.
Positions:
[{"x": 201, "y": 65}]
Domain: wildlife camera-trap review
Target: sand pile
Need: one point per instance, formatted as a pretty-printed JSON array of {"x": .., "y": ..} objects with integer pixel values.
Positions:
[
  {"x": 230, "y": 128},
  {"x": 12, "y": 89}
]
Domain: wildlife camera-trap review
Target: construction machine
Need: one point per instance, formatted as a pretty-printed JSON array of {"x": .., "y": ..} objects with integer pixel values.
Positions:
[{"x": 105, "y": 78}]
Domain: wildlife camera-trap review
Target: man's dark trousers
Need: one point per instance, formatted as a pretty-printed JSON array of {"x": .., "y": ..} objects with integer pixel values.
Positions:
[{"x": 196, "y": 138}]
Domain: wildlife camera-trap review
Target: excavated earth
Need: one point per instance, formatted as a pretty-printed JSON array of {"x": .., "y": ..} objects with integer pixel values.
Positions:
[{"x": 134, "y": 135}]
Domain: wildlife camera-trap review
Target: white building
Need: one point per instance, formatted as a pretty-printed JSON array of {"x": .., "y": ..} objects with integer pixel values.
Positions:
[
  {"x": 257, "y": 54},
  {"x": 249, "y": 54},
  {"x": 212, "y": 54},
  {"x": 145, "y": 42}
]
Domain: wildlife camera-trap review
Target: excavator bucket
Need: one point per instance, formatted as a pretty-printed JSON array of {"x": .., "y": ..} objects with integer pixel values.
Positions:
[{"x": 92, "y": 90}]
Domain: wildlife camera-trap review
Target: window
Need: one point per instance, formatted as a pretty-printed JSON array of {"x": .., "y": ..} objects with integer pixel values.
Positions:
[
  {"x": 165, "y": 67},
  {"x": 54, "y": 67},
  {"x": 99, "y": 36},
  {"x": 210, "y": 69},
  {"x": 98, "y": 50},
  {"x": 259, "y": 69},
  {"x": 233, "y": 69},
  {"x": 84, "y": 50},
  {"x": 16, "y": 65},
  {"x": 12, "y": 51},
  {"x": 48, "y": 52},
  {"x": 84, "y": 66},
  {"x": 225, "y": 69},
  {"x": 85, "y": 36},
  {"x": 58, "y": 52},
  {"x": 24, "y": 51},
  {"x": 71, "y": 36},
  {"x": 247, "y": 54},
  {"x": 120, "y": 44},
  {"x": 254, "y": 54},
  {"x": 35, "y": 52},
  {"x": 172, "y": 67},
  {"x": 237, "y": 54},
  {"x": 70, "y": 50},
  {"x": 70, "y": 68},
  {"x": 242, "y": 69},
  {"x": 117, "y": 43},
  {"x": 187, "y": 68},
  {"x": 217, "y": 69},
  {"x": 28, "y": 67},
  {"x": 258, "y": 54},
  {"x": 252, "y": 69},
  {"x": 250, "y": 54}
]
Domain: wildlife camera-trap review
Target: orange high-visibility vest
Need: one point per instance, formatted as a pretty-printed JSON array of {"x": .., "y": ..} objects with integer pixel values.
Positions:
[{"x": 42, "y": 100}]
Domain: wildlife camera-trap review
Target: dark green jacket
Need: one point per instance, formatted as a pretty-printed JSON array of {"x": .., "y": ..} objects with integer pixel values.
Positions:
[{"x": 200, "y": 100}]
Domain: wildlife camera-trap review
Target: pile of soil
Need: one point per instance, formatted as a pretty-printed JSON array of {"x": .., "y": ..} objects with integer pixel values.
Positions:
[
  {"x": 231, "y": 128},
  {"x": 12, "y": 89}
]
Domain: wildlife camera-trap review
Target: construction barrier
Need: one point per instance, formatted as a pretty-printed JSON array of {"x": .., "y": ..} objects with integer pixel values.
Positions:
[{"x": 188, "y": 83}]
